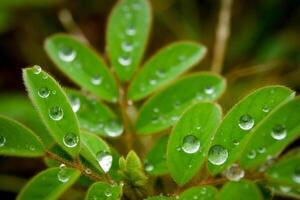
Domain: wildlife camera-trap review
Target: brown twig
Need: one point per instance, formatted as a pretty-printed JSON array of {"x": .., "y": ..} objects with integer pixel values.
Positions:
[{"x": 222, "y": 35}]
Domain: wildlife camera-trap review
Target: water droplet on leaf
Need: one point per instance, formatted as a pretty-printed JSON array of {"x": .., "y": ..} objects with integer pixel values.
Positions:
[
  {"x": 37, "y": 69},
  {"x": 126, "y": 46},
  {"x": 190, "y": 144},
  {"x": 251, "y": 154},
  {"x": 217, "y": 155},
  {"x": 246, "y": 122},
  {"x": 96, "y": 80},
  {"x": 113, "y": 128},
  {"x": 234, "y": 173},
  {"x": 56, "y": 113},
  {"x": 67, "y": 54},
  {"x": 296, "y": 174},
  {"x": 279, "y": 132},
  {"x": 105, "y": 160},
  {"x": 43, "y": 92},
  {"x": 70, "y": 140},
  {"x": 75, "y": 103},
  {"x": 209, "y": 90},
  {"x": 2, "y": 140},
  {"x": 63, "y": 175},
  {"x": 124, "y": 61}
]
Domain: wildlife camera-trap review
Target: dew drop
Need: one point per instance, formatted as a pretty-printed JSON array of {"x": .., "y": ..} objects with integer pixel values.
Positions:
[
  {"x": 284, "y": 189},
  {"x": 63, "y": 175},
  {"x": 32, "y": 148},
  {"x": 152, "y": 81},
  {"x": 70, "y": 140},
  {"x": 217, "y": 155},
  {"x": 37, "y": 69},
  {"x": 160, "y": 73},
  {"x": 105, "y": 160},
  {"x": 2, "y": 140},
  {"x": 234, "y": 173},
  {"x": 246, "y": 122},
  {"x": 88, "y": 171},
  {"x": 124, "y": 61},
  {"x": 251, "y": 154},
  {"x": 44, "y": 92},
  {"x": 236, "y": 142},
  {"x": 107, "y": 193},
  {"x": 130, "y": 31},
  {"x": 296, "y": 174},
  {"x": 148, "y": 167},
  {"x": 67, "y": 54},
  {"x": 75, "y": 103},
  {"x": 126, "y": 46},
  {"x": 209, "y": 90},
  {"x": 266, "y": 109},
  {"x": 113, "y": 128},
  {"x": 96, "y": 80},
  {"x": 261, "y": 150},
  {"x": 190, "y": 144},
  {"x": 56, "y": 113},
  {"x": 198, "y": 96},
  {"x": 279, "y": 132},
  {"x": 45, "y": 76}
]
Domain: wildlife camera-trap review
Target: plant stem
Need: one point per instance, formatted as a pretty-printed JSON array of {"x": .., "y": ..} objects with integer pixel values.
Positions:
[
  {"x": 222, "y": 34},
  {"x": 77, "y": 165}
]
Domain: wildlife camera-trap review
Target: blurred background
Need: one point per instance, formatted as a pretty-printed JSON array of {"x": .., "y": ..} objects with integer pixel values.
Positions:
[{"x": 263, "y": 47}]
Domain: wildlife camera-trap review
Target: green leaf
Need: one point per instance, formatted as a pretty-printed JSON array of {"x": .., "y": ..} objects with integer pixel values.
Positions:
[
  {"x": 199, "y": 193},
  {"x": 17, "y": 140},
  {"x": 131, "y": 170},
  {"x": 244, "y": 190},
  {"x": 54, "y": 109},
  {"x": 127, "y": 34},
  {"x": 274, "y": 134},
  {"x": 163, "y": 110},
  {"x": 93, "y": 116},
  {"x": 160, "y": 197},
  {"x": 155, "y": 162},
  {"x": 96, "y": 151},
  {"x": 24, "y": 114},
  {"x": 286, "y": 171},
  {"x": 190, "y": 139},
  {"x": 82, "y": 65},
  {"x": 104, "y": 191},
  {"x": 240, "y": 121},
  {"x": 49, "y": 184},
  {"x": 164, "y": 67}
]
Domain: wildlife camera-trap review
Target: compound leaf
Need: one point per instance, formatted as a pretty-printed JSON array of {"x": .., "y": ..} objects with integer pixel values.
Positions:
[
  {"x": 17, "y": 140},
  {"x": 275, "y": 133},
  {"x": 240, "y": 121},
  {"x": 82, "y": 65},
  {"x": 240, "y": 190},
  {"x": 93, "y": 116},
  {"x": 54, "y": 109},
  {"x": 104, "y": 191},
  {"x": 199, "y": 193},
  {"x": 155, "y": 162},
  {"x": 163, "y": 110},
  {"x": 164, "y": 67},
  {"x": 49, "y": 184},
  {"x": 190, "y": 139},
  {"x": 127, "y": 34}
]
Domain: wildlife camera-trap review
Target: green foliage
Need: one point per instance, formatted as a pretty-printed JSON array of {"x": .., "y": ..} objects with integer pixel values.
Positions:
[
  {"x": 49, "y": 184},
  {"x": 131, "y": 170},
  {"x": 104, "y": 191},
  {"x": 17, "y": 140},
  {"x": 153, "y": 114},
  {"x": 190, "y": 139}
]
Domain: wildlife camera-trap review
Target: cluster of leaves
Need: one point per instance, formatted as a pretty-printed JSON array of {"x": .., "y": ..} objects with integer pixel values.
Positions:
[{"x": 197, "y": 147}]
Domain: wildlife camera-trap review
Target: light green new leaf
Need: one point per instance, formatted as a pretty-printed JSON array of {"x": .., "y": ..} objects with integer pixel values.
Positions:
[
  {"x": 53, "y": 107},
  {"x": 164, "y": 67},
  {"x": 24, "y": 114},
  {"x": 96, "y": 151},
  {"x": 17, "y": 140},
  {"x": 163, "y": 110},
  {"x": 275, "y": 133},
  {"x": 92, "y": 115},
  {"x": 240, "y": 121},
  {"x": 284, "y": 191},
  {"x": 82, "y": 65},
  {"x": 155, "y": 162},
  {"x": 127, "y": 34},
  {"x": 49, "y": 184},
  {"x": 199, "y": 193},
  {"x": 190, "y": 139},
  {"x": 131, "y": 170},
  {"x": 104, "y": 191},
  {"x": 286, "y": 171},
  {"x": 244, "y": 190}
]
